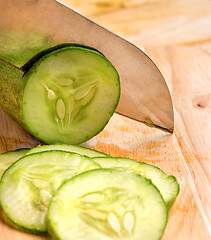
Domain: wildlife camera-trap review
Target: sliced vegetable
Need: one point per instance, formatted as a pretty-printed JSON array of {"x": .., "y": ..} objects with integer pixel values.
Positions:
[
  {"x": 105, "y": 204},
  {"x": 28, "y": 185},
  {"x": 76, "y": 90},
  {"x": 8, "y": 158},
  {"x": 17, "y": 47},
  {"x": 69, "y": 148},
  {"x": 166, "y": 184}
]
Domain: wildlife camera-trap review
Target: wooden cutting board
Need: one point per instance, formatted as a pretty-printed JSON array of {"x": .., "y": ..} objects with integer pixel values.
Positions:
[{"x": 176, "y": 35}]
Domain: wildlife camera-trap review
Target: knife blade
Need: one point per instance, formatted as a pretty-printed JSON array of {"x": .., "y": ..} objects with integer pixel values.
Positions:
[{"x": 144, "y": 96}]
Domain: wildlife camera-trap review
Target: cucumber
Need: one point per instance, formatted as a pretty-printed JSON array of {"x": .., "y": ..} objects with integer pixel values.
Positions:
[
  {"x": 27, "y": 186},
  {"x": 18, "y": 47},
  {"x": 167, "y": 184},
  {"x": 76, "y": 90},
  {"x": 69, "y": 148},
  {"x": 8, "y": 158},
  {"x": 11, "y": 88},
  {"x": 105, "y": 204}
]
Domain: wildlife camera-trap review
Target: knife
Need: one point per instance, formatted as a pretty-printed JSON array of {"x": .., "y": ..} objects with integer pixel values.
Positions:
[{"x": 144, "y": 93}]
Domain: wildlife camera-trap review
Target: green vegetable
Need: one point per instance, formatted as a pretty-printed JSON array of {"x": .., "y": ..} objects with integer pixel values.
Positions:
[
  {"x": 67, "y": 94},
  {"x": 27, "y": 186},
  {"x": 105, "y": 204},
  {"x": 18, "y": 47},
  {"x": 104, "y": 198}
]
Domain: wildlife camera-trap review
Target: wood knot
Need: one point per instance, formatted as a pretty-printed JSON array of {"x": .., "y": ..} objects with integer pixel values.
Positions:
[{"x": 202, "y": 102}]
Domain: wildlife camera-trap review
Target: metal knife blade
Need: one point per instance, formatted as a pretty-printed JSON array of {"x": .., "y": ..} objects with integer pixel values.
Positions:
[{"x": 144, "y": 93}]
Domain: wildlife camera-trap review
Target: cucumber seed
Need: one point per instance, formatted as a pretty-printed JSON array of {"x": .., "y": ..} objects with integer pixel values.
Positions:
[
  {"x": 113, "y": 222},
  {"x": 60, "y": 108}
]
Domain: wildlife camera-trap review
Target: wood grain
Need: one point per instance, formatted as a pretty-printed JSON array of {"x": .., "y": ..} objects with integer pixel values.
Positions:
[
  {"x": 152, "y": 22},
  {"x": 182, "y": 52}
]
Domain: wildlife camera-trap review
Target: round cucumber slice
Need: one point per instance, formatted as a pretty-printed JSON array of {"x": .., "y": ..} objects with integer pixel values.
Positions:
[
  {"x": 166, "y": 184},
  {"x": 105, "y": 204},
  {"x": 28, "y": 185},
  {"x": 69, "y": 148},
  {"x": 8, "y": 158},
  {"x": 70, "y": 95}
]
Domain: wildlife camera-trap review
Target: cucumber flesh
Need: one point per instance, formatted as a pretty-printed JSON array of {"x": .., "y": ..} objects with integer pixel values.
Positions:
[
  {"x": 76, "y": 91},
  {"x": 27, "y": 186},
  {"x": 69, "y": 148},
  {"x": 166, "y": 184},
  {"x": 8, "y": 158},
  {"x": 105, "y": 204}
]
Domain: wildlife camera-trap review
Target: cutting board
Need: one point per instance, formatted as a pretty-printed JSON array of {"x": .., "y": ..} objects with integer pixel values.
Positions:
[{"x": 176, "y": 35}]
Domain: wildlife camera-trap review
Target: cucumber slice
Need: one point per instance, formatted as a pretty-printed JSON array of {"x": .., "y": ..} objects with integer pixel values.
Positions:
[
  {"x": 69, "y": 148},
  {"x": 76, "y": 90},
  {"x": 105, "y": 204},
  {"x": 8, "y": 158},
  {"x": 167, "y": 184},
  {"x": 27, "y": 186}
]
